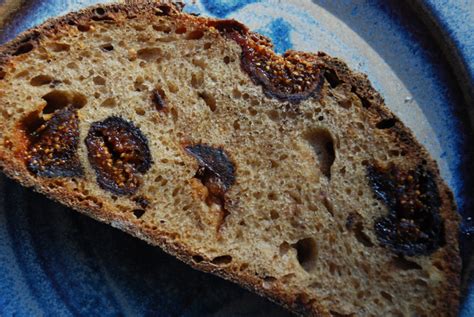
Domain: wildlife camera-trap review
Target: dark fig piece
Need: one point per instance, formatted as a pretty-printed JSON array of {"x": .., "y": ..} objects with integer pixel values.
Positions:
[
  {"x": 293, "y": 77},
  {"x": 118, "y": 152},
  {"x": 413, "y": 225},
  {"x": 286, "y": 78},
  {"x": 216, "y": 171},
  {"x": 53, "y": 149}
]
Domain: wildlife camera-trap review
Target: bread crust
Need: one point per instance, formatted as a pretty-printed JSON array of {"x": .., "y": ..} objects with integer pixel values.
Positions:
[{"x": 12, "y": 166}]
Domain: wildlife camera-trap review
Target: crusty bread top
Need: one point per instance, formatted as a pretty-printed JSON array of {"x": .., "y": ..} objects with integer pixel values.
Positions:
[{"x": 286, "y": 174}]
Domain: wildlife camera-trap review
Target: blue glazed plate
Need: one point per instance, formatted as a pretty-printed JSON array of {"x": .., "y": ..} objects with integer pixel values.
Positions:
[{"x": 419, "y": 55}]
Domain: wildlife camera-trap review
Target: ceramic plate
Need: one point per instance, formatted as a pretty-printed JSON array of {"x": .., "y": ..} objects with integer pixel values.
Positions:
[{"x": 418, "y": 54}]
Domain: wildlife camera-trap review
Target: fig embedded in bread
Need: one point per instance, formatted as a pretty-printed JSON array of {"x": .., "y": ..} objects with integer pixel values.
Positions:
[{"x": 284, "y": 173}]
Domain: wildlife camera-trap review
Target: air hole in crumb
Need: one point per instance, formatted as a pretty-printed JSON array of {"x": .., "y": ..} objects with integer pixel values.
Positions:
[
  {"x": 140, "y": 111},
  {"x": 162, "y": 28},
  {"x": 149, "y": 53},
  {"x": 180, "y": 30},
  {"x": 198, "y": 258},
  {"x": 58, "y": 99},
  {"x": 139, "y": 84},
  {"x": 222, "y": 260},
  {"x": 200, "y": 63},
  {"x": 386, "y": 123},
  {"x": 236, "y": 125},
  {"x": 83, "y": 27},
  {"x": 284, "y": 248},
  {"x": 322, "y": 143},
  {"x": 273, "y": 115},
  {"x": 195, "y": 35},
  {"x": 2, "y": 74},
  {"x": 329, "y": 206},
  {"x": 58, "y": 47},
  {"x": 361, "y": 236},
  {"x": 421, "y": 283},
  {"x": 274, "y": 214},
  {"x": 402, "y": 263},
  {"x": 23, "y": 49},
  {"x": 99, "y": 80},
  {"x": 41, "y": 80},
  {"x": 338, "y": 314},
  {"x": 253, "y": 112},
  {"x": 306, "y": 253},
  {"x": 268, "y": 281},
  {"x": 107, "y": 47},
  {"x": 226, "y": 59},
  {"x": 158, "y": 98},
  {"x": 72, "y": 65},
  {"x": 197, "y": 79},
  {"x": 209, "y": 100},
  {"x": 175, "y": 192},
  {"x": 22, "y": 74},
  {"x": 332, "y": 78},
  {"x": 109, "y": 103},
  {"x": 386, "y": 295},
  {"x": 174, "y": 114},
  {"x": 173, "y": 88},
  {"x": 99, "y": 11},
  {"x": 236, "y": 93},
  {"x": 207, "y": 46},
  {"x": 272, "y": 196},
  {"x": 138, "y": 213}
]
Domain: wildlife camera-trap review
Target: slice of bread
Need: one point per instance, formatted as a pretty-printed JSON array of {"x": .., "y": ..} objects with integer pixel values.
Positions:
[{"x": 285, "y": 174}]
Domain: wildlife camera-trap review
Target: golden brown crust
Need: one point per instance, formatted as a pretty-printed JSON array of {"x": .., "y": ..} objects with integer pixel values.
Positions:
[{"x": 448, "y": 257}]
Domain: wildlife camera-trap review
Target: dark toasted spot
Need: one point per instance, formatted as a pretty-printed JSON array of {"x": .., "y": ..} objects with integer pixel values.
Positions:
[
  {"x": 413, "y": 225},
  {"x": 54, "y": 143},
  {"x": 119, "y": 154}
]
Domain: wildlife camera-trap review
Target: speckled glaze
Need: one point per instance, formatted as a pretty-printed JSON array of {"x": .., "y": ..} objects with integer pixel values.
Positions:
[{"x": 56, "y": 262}]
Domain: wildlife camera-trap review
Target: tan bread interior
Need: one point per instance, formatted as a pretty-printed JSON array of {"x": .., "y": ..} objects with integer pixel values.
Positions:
[{"x": 291, "y": 201}]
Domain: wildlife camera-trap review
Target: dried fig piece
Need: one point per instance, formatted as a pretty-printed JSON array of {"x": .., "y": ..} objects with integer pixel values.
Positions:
[
  {"x": 53, "y": 148},
  {"x": 413, "y": 225},
  {"x": 216, "y": 170},
  {"x": 118, "y": 152},
  {"x": 217, "y": 173},
  {"x": 293, "y": 77}
]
